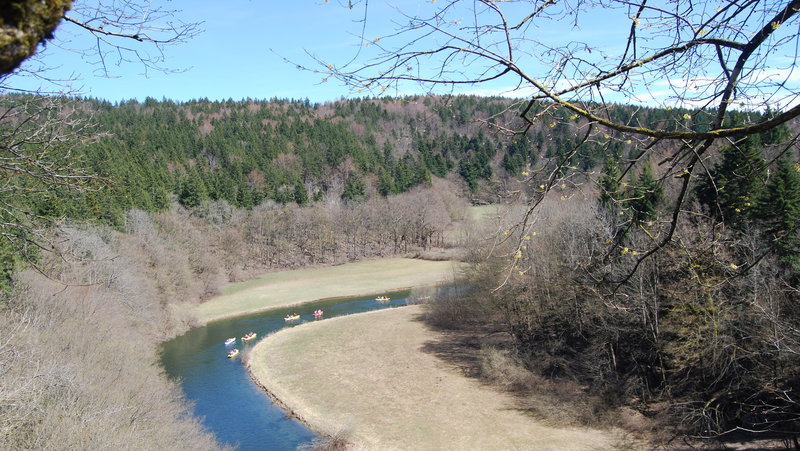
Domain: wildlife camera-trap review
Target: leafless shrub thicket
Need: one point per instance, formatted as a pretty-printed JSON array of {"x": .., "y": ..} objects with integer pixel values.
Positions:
[
  {"x": 79, "y": 372},
  {"x": 688, "y": 339},
  {"x": 280, "y": 237}
]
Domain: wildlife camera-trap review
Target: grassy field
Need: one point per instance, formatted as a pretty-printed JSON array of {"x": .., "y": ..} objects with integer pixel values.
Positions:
[
  {"x": 368, "y": 375},
  {"x": 476, "y": 216},
  {"x": 285, "y": 288},
  {"x": 479, "y": 213}
]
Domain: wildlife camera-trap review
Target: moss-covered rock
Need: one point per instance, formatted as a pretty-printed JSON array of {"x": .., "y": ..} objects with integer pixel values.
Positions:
[{"x": 23, "y": 25}]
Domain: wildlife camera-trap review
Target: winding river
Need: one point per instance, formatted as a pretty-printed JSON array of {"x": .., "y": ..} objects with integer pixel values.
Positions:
[{"x": 225, "y": 399}]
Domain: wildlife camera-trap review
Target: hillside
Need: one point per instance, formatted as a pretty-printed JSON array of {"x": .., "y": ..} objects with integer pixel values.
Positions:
[
  {"x": 613, "y": 267},
  {"x": 249, "y": 152}
]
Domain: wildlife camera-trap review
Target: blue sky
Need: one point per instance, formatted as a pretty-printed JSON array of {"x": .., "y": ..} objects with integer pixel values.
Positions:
[{"x": 240, "y": 54}]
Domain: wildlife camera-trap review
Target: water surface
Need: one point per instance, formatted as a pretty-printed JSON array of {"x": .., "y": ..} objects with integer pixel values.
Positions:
[{"x": 227, "y": 402}]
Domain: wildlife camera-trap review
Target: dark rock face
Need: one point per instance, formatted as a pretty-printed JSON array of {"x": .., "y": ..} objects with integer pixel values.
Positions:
[{"x": 23, "y": 25}]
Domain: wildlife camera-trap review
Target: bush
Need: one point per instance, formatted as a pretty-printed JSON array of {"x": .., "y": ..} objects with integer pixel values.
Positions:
[{"x": 687, "y": 329}]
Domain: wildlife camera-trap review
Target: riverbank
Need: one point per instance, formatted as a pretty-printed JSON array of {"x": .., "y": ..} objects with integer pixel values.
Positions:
[
  {"x": 368, "y": 375},
  {"x": 288, "y": 288}
]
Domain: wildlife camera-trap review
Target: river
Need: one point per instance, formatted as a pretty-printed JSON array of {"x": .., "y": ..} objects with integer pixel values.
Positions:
[{"x": 224, "y": 398}]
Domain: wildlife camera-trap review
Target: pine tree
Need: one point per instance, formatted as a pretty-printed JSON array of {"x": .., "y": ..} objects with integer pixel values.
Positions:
[
  {"x": 775, "y": 135},
  {"x": 300, "y": 193},
  {"x": 609, "y": 182},
  {"x": 193, "y": 190},
  {"x": 779, "y": 211},
  {"x": 386, "y": 184},
  {"x": 644, "y": 196},
  {"x": 354, "y": 188},
  {"x": 731, "y": 192}
]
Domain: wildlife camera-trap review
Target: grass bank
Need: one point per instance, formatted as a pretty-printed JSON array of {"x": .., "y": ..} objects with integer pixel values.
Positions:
[
  {"x": 368, "y": 375},
  {"x": 286, "y": 288}
]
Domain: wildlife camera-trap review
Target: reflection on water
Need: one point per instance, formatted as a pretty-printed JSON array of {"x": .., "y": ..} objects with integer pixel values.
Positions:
[{"x": 225, "y": 399}]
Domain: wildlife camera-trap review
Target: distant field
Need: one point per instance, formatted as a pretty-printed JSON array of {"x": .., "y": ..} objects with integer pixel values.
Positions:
[
  {"x": 287, "y": 288},
  {"x": 481, "y": 212},
  {"x": 367, "y": 374},
  {"x": 476, "y": 215}
]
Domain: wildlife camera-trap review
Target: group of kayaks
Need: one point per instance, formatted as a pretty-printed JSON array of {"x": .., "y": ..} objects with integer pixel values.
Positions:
[
  {"x": 252, "y": 335},
  {"x": 292, "y": 317},
  {"x": 230, "y": 341}
]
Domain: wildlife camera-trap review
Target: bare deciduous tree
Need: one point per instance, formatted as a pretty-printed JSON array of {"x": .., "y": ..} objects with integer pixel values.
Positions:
[{"x": 129, "y": 31}]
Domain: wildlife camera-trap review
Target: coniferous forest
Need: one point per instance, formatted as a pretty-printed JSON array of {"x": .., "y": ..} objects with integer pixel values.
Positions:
[{"x": 150, "y": 153}]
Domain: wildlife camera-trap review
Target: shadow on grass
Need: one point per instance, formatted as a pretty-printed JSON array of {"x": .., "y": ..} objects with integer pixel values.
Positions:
[{"x": 459, "y": 348}]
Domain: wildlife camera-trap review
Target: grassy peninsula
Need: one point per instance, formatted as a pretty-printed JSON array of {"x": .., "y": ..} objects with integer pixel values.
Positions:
[{"x": 370, "y": 376}]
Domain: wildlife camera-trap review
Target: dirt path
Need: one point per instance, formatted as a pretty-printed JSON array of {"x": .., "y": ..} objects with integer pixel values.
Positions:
[
  {"x": 367, "y": 374},
  {"x": 286, "y": 288}
]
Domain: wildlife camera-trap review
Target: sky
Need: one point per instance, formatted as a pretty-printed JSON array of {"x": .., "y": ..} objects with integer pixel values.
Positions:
[
  {"x": 244, "y": 46},
  {"x": 239, "y": 54}
]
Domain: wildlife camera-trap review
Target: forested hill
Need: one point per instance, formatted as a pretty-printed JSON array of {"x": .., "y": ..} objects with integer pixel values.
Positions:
[{"x": 246, "y": 152}]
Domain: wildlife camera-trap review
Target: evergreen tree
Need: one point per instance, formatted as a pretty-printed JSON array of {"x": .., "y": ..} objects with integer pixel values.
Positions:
[
  {"x": 300, "y": 193},
  {"x": 644, "y": 195},
  {"x": 193, "y": 190},
  {"x": 354, "y": 188},
  {"x": 775, "y": 135},
  {"x": 609, "y": 183},
  {"x": 731, "y": 192},
  {"x": 386, "y": 184},
  {"x": 779, "y": 211},
  {"x": 160, "y": 198}
]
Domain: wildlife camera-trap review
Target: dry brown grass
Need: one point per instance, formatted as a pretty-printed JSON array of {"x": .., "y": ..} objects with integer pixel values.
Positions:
[
  {"x": 554, "y": 402},
  {"x": 369, "y": 374},
  {"x": 285, "y": 288},
  {"x": 339, "y": 441}
]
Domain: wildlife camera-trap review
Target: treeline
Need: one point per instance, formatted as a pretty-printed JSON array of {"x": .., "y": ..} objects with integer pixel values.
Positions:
[
  {"x": 244, "y": 153},
  {"x": 247, "y": 152}
]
